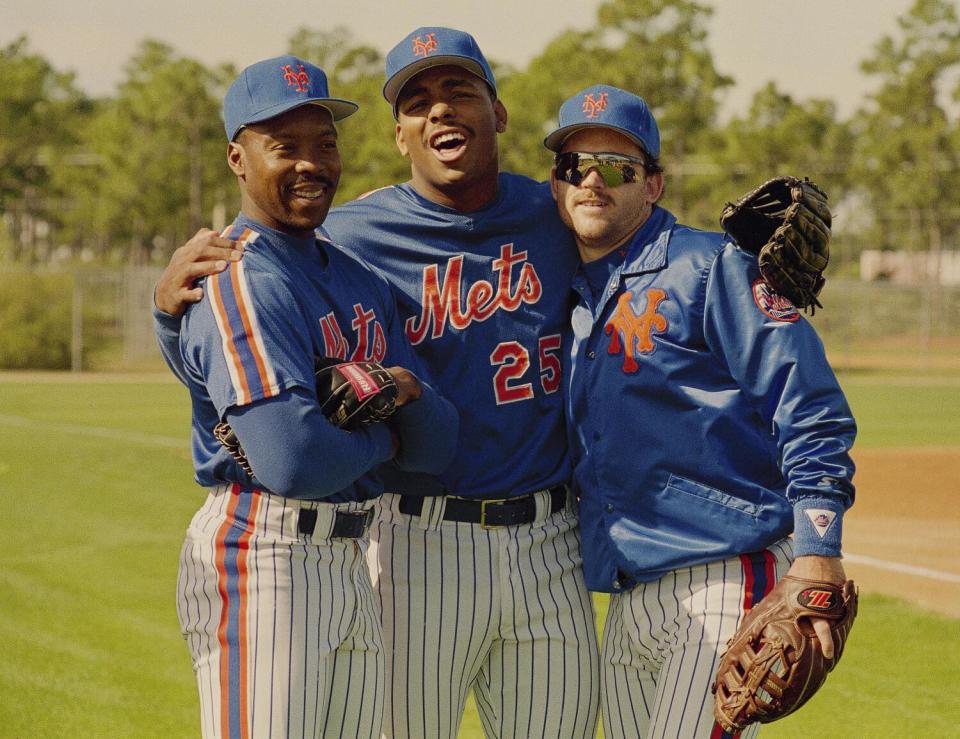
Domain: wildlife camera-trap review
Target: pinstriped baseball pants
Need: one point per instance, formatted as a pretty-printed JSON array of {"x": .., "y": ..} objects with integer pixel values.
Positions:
[
  {"x": 282, "y": 627},
  {"x": 501, "y": 611},
  {"x": 662, "y": 643}
]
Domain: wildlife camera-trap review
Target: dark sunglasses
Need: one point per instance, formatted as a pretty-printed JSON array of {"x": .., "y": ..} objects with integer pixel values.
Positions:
[{"x": 615, "y": 169}]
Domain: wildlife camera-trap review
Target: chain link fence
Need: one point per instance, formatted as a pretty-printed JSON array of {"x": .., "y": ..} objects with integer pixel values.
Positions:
[
  {"x": 103, "y": 318},
  {"x": 881, "y": 325}
]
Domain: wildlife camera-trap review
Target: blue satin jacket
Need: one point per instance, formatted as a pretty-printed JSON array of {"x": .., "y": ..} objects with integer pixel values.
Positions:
[{"x": 704, "y": 419}]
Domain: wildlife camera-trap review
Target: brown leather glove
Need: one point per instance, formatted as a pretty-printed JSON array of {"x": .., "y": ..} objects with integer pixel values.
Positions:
[{"x": 774, "y": 663}]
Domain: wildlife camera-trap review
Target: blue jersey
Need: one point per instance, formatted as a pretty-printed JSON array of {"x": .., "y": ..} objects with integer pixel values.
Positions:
[
  {"x": 484, "y": 298},
  {"x": 705, "y": 421},
  {"x": 259, "y": 327}
]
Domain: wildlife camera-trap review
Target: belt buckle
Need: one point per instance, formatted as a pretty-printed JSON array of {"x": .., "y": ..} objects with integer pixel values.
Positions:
[
  {"x": 367, "y": 518},
  {"x": 483, "y": 511}
]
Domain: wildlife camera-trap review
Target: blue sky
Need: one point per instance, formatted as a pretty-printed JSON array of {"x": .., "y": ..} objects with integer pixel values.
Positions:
[{"x": 813, "y": 47}]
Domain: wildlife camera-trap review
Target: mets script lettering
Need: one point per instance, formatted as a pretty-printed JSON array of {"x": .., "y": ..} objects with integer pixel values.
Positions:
[
  {"x": 371, "y": 342},
  {"x": 442, "y": 303},
  {"x": 635, "y": 331}
]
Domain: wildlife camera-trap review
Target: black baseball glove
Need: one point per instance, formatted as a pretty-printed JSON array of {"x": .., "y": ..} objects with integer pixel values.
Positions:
[
  {"x": 354, "y": 393},
  {"x": 786, "y": 223},
  {"x": 350, "y": 394},
  {"x": 228, "y": 437}
]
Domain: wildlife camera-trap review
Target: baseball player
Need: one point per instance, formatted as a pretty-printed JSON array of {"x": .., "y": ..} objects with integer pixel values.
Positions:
[
  {"x": 477, "y": 570},
  {"x": 704, "y": 421},
  {"x": 274, "y": 595}
]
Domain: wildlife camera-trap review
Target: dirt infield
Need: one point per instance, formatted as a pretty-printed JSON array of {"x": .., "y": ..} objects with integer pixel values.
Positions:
[{"x": 907, "y": 513}]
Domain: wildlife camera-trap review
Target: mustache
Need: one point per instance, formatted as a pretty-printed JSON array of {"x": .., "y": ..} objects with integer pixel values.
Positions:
[{"x": 320, "y": 179}]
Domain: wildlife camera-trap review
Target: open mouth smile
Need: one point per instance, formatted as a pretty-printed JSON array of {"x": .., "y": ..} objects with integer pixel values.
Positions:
[
  {"x": 309, "y": 190},
  {"x": 448, "y": 145}
]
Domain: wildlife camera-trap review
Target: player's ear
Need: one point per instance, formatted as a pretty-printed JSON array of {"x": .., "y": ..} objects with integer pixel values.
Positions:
[
  {"x": 401, "y": 144},
  {"x": 654, "y": 185},
  {"x": 554, "y": 188},
  {"x": 500, "y": 112},
  {"x": 235, "y": 159}
]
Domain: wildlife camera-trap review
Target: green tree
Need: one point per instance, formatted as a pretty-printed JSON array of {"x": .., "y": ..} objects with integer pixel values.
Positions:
[
  {"x": 655, "y": 48},
  {"x": 355, "y": 72},
  {"x": 40, "y": 113},
  {"x": 780, "y": 136},
  {"x": 906, "y": 154},
  {"x": 160, "y": 158}
]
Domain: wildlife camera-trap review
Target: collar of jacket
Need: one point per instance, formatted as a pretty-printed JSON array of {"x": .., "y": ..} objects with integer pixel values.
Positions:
[{"x": 648, "y": 247}]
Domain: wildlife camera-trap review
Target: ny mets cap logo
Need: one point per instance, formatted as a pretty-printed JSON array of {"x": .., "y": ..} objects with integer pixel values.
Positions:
[
  {"x": 299, "y": 80},
  {"x": 425, "y": 48},
  {"x": 593, "y": 106}
]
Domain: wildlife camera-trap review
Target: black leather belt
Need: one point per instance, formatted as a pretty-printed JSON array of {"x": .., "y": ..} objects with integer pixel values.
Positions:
[
  {"x": 505, "y": 512},
  {"x": 346, "y": 524}
]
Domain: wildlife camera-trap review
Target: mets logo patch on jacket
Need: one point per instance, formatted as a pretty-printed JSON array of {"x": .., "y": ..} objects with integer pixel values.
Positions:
[
  {"x": 772, "y": 304},
  {"x": 631, "y": 329}
]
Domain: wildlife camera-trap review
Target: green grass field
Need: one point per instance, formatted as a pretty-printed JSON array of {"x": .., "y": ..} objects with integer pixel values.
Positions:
[{"x": 97, "y": 490}]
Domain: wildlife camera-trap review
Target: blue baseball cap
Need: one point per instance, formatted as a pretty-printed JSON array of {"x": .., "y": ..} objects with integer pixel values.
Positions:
[
  {"x": 433, "y": 47},
  {"x": 609, "y": 107},
  {"x": 274, "y": 86}
]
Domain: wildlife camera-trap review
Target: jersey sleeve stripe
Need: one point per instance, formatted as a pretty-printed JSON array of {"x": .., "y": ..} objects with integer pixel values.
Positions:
[
  {"x": 268, "y": 378},
  {"x": 234, "y": 366},
  {"x": 237, "y": 232},
  {"x": 248, "y": 363}
]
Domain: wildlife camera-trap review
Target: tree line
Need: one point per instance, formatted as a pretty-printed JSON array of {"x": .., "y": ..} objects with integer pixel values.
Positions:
[{"x": 127, "y": 178}]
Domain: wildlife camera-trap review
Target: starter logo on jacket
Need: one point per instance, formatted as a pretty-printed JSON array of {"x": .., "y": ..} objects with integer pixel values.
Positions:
[
  {"x": 371, "y": 344},
  {"x": 442, "y": 303},
  {"x": 632, "y": 333}
]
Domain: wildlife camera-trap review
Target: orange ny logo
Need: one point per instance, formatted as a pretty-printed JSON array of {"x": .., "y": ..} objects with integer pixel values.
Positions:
[
  {"x": 423, "y": 48},
  {"x": 592, "y": 107},
  {"x": 635, "y": 331},
  {"x": 300, "y": 80}
]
